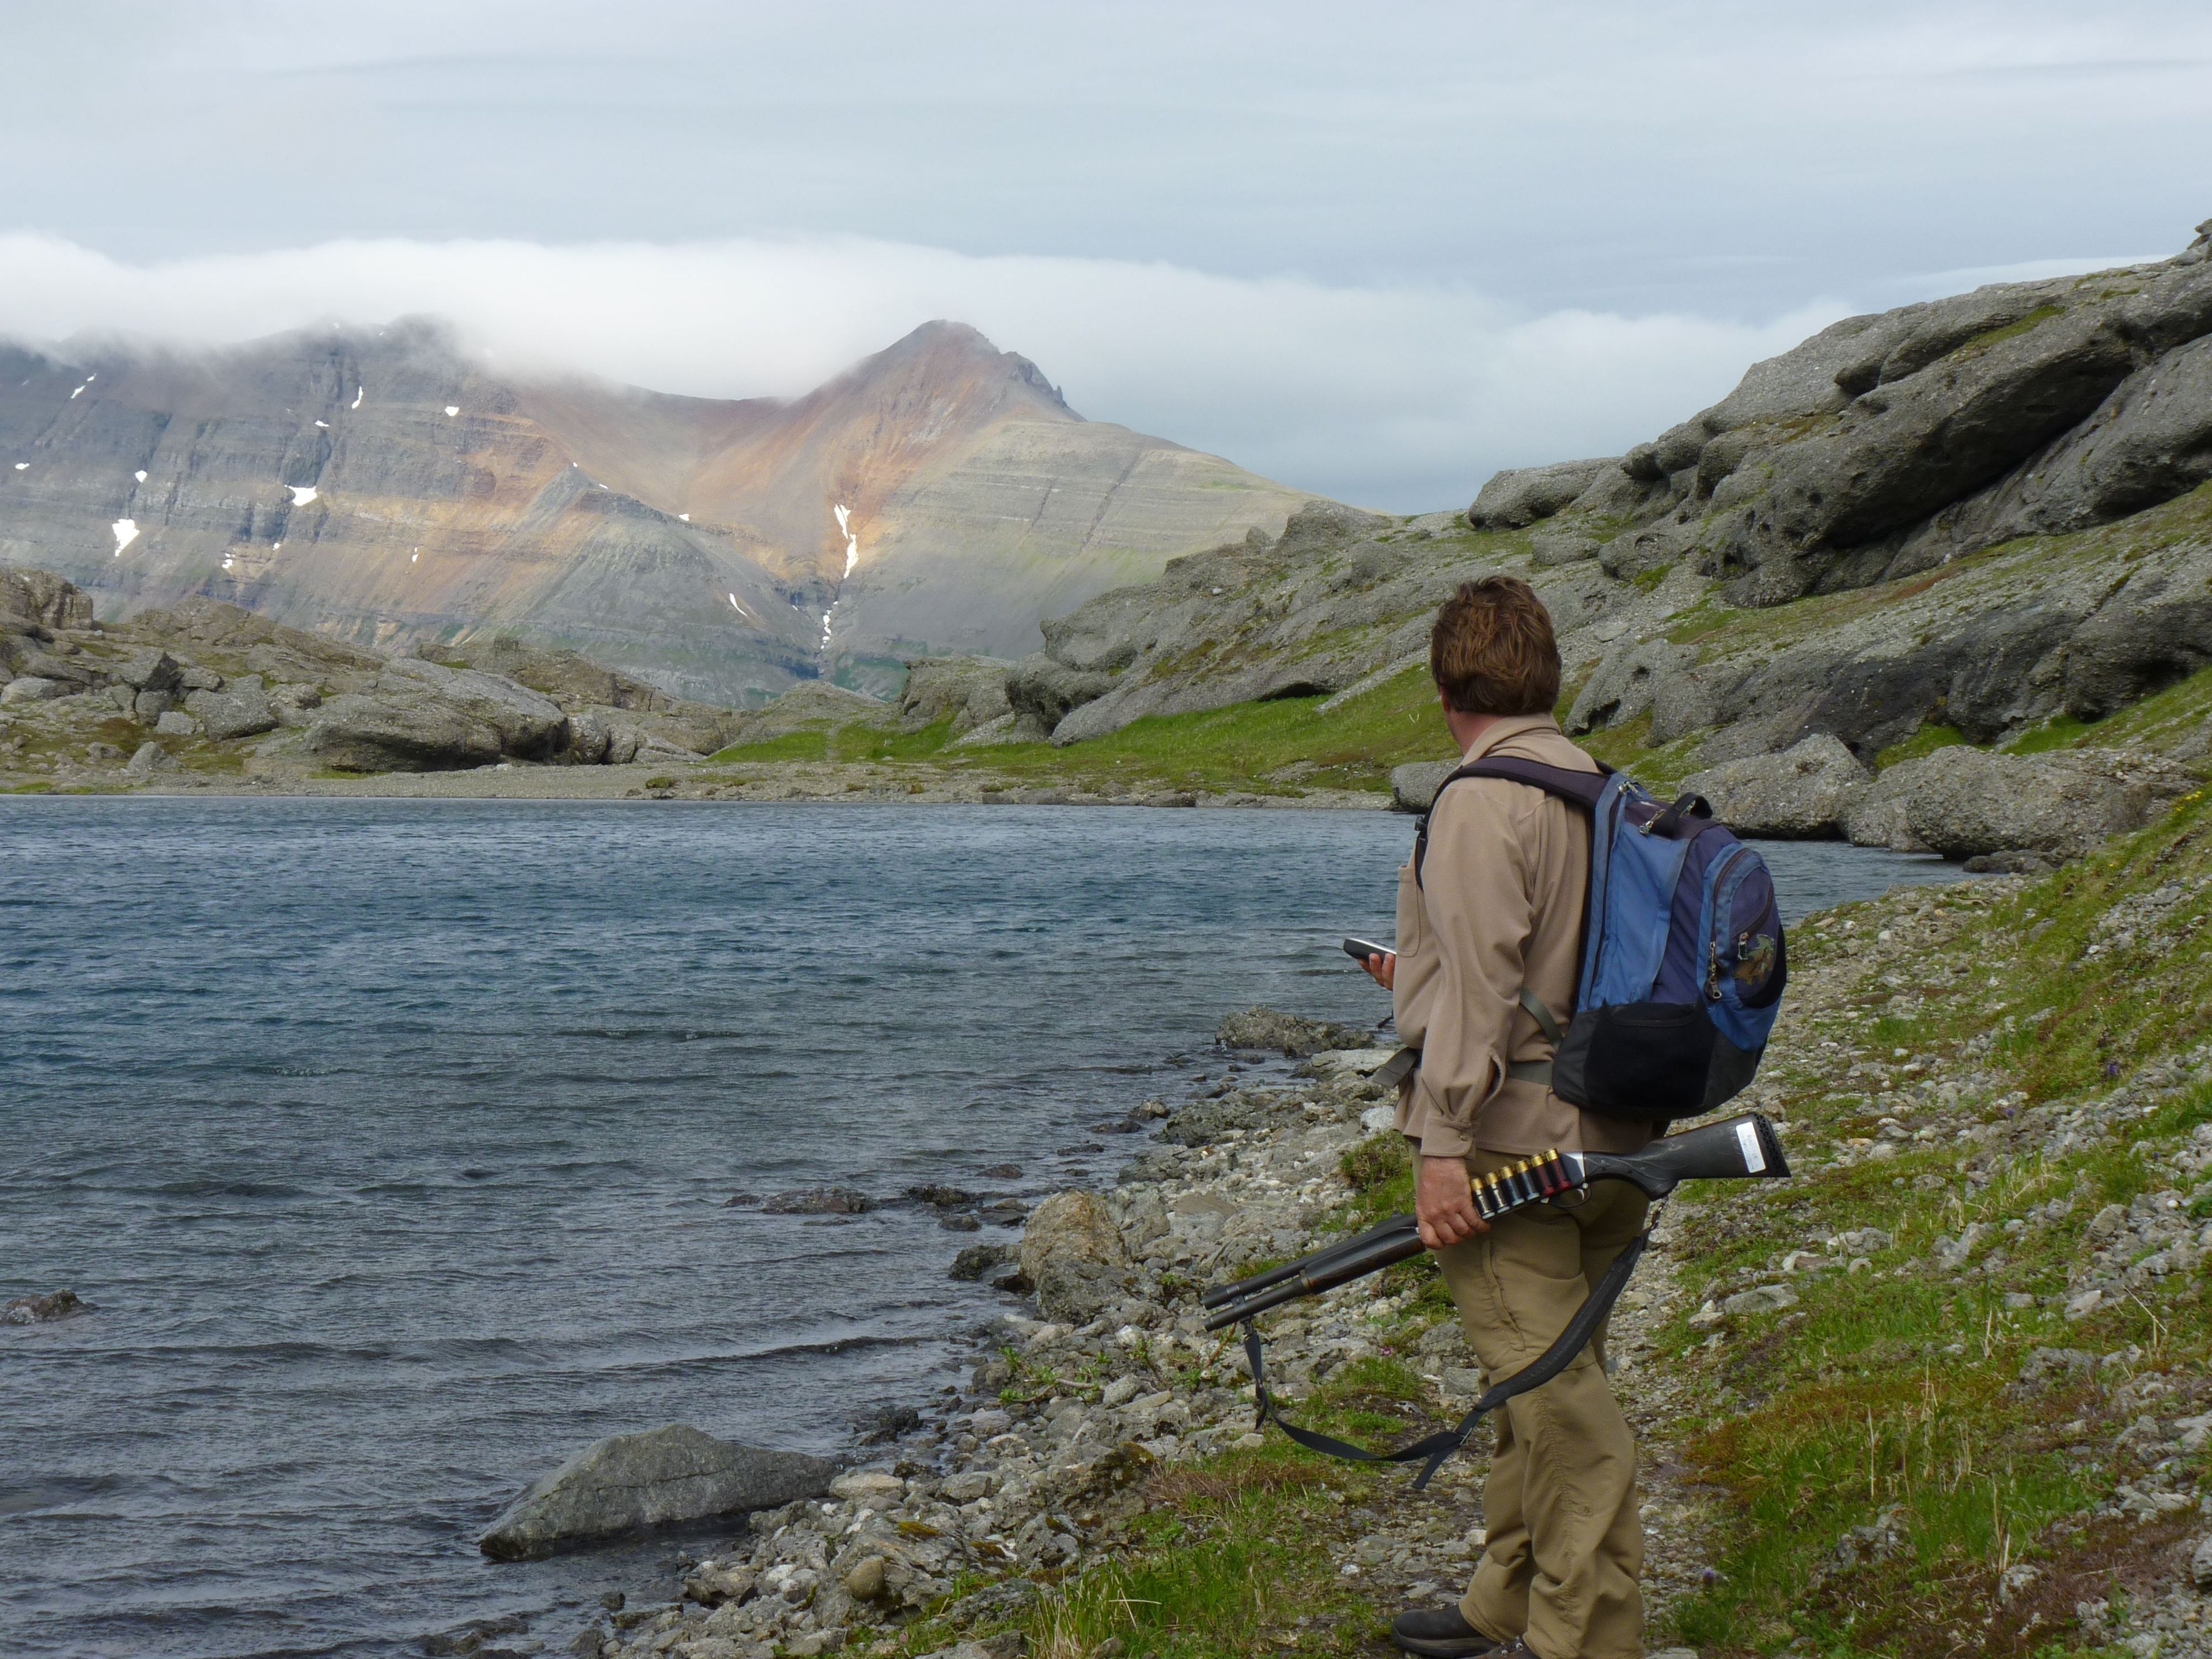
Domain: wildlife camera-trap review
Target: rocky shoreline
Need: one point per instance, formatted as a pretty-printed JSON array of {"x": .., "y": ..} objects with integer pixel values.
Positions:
[
  {"x": 820, "y": 783},
  {"x": 1104, "y": 1404},
  {"x": 1079, "y": 1412}
]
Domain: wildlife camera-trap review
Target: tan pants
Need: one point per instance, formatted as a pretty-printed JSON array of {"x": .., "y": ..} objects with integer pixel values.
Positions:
[{"x": 1565, "y": 1546}]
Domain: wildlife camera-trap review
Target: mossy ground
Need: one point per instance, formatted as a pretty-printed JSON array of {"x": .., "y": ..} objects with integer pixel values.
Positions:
[
  {"x": 1235, "y": 1555},
  {"x": 1892, "y": 1389},
  {"x": 1284, "y": 746}
]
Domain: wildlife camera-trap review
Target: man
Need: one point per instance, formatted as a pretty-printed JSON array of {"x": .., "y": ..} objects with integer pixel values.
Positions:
[{"x": 1489, "y": 931}]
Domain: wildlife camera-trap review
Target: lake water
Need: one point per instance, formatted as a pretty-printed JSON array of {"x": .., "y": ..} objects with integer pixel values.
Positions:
[{"x": 392, "y": 1141}]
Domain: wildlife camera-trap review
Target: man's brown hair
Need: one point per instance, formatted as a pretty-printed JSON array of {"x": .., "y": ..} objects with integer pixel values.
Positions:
[{"x": 1492, "y": 650}]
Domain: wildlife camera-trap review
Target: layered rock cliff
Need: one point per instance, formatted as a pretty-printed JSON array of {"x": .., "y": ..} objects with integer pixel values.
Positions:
[
  {"x": 1969, "y": 518},
  {"x": 382, "y": 487}
]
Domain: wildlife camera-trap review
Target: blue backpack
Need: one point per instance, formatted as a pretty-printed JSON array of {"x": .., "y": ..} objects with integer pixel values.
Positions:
[{"x": 1683, "y": 959}]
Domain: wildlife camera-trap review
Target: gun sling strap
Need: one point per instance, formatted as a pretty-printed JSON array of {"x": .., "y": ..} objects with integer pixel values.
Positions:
[{"x": 1436, "y": 1449}]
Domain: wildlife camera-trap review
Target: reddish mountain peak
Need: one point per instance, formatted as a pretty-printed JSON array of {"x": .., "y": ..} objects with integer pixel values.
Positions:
[{"x": 950, "y": 357}]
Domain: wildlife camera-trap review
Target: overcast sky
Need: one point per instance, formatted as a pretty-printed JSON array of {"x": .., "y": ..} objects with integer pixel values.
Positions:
[{"x": 1376, "y": 251}]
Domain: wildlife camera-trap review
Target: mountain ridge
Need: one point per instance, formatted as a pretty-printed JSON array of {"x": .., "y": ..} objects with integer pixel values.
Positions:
[{"x": 380, "y": 486}]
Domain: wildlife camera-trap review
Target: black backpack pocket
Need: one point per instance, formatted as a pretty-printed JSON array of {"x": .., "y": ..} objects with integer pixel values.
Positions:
[{"x": 1639, "y": 1060}]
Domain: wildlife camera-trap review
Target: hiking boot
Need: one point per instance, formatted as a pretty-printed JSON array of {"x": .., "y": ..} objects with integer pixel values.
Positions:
[{"x": 1440, "y": 1634}]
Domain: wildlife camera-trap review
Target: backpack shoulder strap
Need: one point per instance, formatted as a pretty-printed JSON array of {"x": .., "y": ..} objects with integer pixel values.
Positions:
[{"x": 1579, "y": 788}]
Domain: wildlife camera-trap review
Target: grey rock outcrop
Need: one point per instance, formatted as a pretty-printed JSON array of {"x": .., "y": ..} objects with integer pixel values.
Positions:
[
  {"x": 38, "y": 1310},
  {"x": 1802, "y": 793},
  {"x": 1965, "y": 801},
  {"x": 1073, "y": 1253},
  {"x": 1519, "y": 497},
  {"x": 2149, "y": 441},
  {"x": 632, "y": 1483},
  {"x": 620, "y": 703},
  {"x": 1989, "y": 647},
  {"x": 1888, "y": 443},
  {"x": 33, "y": 688},
  {"x": 592, "y": 738},
  {"x": 1341, "y": 597},
  {"x": 1879, "y": 815},
  {"x": 1413, "y": 786},
  {"x": 150, "y": 757},
  {"x": 241, "y": 711},
  {"x": 526, "y": 724},
  {"x": 1913, "y": 445},
  {"x": 1041, "y": 692},
  {"x": 1630, "y": 680},
  {"x": 398, "y": 732},
  {"x": 971, "y": 691},
  {"x": 206, "y": 669},
  {"x": 1292, "y": 1035},
  {"x": 151, "y": 669},
  {"x": 42, "y": 598},
  {"x": 293, "y": 705}
]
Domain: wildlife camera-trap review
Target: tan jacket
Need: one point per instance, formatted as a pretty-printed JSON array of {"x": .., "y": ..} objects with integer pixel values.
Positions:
[{"x": 1499, "y": 906}]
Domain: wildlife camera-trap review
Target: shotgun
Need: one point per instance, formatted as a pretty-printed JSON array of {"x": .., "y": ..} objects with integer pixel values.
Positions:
[{"x": 1736, "y": 1148}]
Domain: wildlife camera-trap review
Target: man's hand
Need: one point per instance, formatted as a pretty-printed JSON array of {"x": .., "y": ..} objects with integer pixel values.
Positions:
[
  {"x": 1443, "y": 1203},
  {"x": 1384, "y": 968}
]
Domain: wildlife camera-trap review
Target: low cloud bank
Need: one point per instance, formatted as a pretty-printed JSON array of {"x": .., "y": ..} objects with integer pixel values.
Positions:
[{"x": 1405, "y": 398}]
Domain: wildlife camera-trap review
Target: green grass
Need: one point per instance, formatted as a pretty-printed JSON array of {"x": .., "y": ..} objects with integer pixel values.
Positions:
[
  {"x": 1628, "y": 748},
  {"x": 802, "y": 745},
  {"x": 1284, "y": 744},
  {"x": 1234, "y": 1553},
  {"x": 1892, "y": 1387},
  {"x": 1926, "y": 741},
  {"x": 2159, "y": 721}
]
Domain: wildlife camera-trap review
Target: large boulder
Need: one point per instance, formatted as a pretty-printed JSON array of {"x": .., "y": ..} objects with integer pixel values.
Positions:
[
  {"x": 1413, "y": 786},
  {"x": 1964, "y": 801},
  {"x": 421, "y": 734},
  {"x": 1073, "y": 1253},
  {"x": 34, "y": 688},
  {"x": 529, "y": 724},
  {"x": 1043, "y": 691},
  {"x": 602, "y": 736},
  {"x": 242, "y": 711},
  {"x": 41, "y": 597},
  {"x": 1800, "y": 794},
  {"x": 2151, "y": 440},
  {"x": 1629, "y": 681},
  {"x": 1879, "y": 815},
  {"x": 1289, "y": 1034},
  {"x": 152, "y": 670},
  {"x": 77, "y": 672},
  {"x": 971, "y": 691},
  {"x": 151, "y": 758},
  {"x": 1521, "y": 496},
  {"x": 36, "y": 1309},
  {"x": 632, "y": 1483}
]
